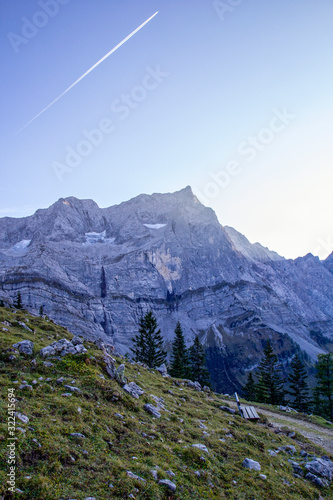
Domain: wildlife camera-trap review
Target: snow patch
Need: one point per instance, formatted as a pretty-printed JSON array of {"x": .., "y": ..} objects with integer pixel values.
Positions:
[
  {"x": 92, "y": 238},
  {"x": 155, "y": 226},
  {"x": 21, "y": 246}
]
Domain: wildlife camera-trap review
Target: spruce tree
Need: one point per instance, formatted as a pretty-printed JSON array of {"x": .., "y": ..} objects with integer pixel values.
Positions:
[
  {"x": 148, "y": 344},
  {"x": 41, "y": 311},
  {"x": 324, "y": 387},
  {"x": 250, "y": 389},
  {"x": 299, "y": 389},
  {"x": 198, "y": 369},
  {"x": 18, "y": 302},
  {"x": 179, "y": 359},
  {"x": 270, "y": 384}
]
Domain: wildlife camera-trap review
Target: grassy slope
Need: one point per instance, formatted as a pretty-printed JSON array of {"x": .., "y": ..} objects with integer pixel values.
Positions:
[{"x": 64, "y": 467}]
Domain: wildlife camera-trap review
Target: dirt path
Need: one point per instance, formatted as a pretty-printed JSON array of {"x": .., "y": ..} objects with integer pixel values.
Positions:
[{"x": 317, "y": 434}]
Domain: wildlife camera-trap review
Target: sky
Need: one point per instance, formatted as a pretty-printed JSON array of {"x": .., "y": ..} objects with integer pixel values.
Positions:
[{"x": 231, "y": 97}]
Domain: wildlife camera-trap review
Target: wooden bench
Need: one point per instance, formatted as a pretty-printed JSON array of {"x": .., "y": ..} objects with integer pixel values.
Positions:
[{"x": 247, "y": 412}]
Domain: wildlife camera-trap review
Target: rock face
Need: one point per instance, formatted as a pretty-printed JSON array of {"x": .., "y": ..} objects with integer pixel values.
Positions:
[{"x": 96, "y": 271}]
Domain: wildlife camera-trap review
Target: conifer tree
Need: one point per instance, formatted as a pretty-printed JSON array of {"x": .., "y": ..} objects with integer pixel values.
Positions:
[
  {"x": 103, "y": 283},
  {"x": 324, "y": 387},
  {"x": 18, "y": 302},
  {"x": 179, "y": 359},
  {"x": 299, "y": 389},
  {"x": 198, "y": 369},
  {"x": 250, "y": 388},
  {"x": 148, "y": 344},
  {"x": 270, "y": 385},
  {"x": 41, "y": 311}
]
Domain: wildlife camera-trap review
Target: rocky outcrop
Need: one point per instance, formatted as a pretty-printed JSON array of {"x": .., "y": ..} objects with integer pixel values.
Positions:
[{"x": 96, "y": 271}]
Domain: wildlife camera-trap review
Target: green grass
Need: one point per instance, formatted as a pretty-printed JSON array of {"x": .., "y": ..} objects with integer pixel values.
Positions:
[{"x": 63, "y": 467}]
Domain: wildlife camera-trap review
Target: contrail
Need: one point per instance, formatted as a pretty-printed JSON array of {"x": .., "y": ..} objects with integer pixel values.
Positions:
[{"x": 88, "y": 71}]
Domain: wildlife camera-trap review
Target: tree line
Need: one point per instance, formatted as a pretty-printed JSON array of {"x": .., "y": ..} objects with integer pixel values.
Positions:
[
  {"x": 186, "y": 363},
  {"x": 269, "y": 386}
]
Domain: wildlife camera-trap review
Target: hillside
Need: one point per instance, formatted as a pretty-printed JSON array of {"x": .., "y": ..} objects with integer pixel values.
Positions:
[
  {"x": 97, "y": 270},
  {"x": 120, "y": 451}
]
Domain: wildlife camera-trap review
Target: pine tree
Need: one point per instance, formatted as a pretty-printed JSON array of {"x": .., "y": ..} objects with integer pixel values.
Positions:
[
  {"x": 250, "y": 388},
  {"x": 41, "y": 311},
  {"x": 148, "y": 344},
  {"x": 103, "y": 283},
  {"x": 324, "y": 387},
  {"x": 180, "y": 359},
  {"x": 299, "y": 389},
  {"x": 198, "y": 370},
  {"x": 18, "y": 302},
  {"x": 270, "y": 385},
  {"x": 2, "y": 304}
]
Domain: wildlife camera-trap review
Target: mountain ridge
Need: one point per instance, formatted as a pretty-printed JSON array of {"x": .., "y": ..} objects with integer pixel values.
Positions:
[{"x": 169, "y": 253}]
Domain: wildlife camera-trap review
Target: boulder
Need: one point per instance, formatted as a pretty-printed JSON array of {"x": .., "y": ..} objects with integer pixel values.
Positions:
[
  {"x": 76, "y": 340},
  {"x": 169, "y": 484},
  {"x": 133, "y": 390},
  {"x": 47, "y": 351},
  {"x": 321, "y": 467},
  {"x": 120, "y": 374},
  {"x": 25, "y": 347},
  {"x": 80, "y": 349},
  {"x": 152, "y": 410},
  {"x": 162, "y": 369},
  {"x": 201, "y": 447},
  {"x": 250, "y": 464},
  {"x": 229, "y": 410}
]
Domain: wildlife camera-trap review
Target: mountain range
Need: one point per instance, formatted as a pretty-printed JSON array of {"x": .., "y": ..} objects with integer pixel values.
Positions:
[{"x": 97, "y": 270}]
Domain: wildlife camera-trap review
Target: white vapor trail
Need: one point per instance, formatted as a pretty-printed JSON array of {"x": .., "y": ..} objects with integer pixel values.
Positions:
[{"x": 89, "y": 71}]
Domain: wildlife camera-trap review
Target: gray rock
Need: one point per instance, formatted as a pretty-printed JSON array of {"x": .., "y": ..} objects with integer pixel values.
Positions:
[
  {"x": 76, "y": 340},
  {"x": 72, "y": 389},
  {"x": 248, "y": 463},
  {"x": 152, "y": 410},
  {"x": 119, "y": 415},
  {"x": 47, "y": 351},
  {"x": 60, "y": 380},
  {"x": 134, "y": 476},
  {"x": 273, "y": 453},
  {"x": 21, "y": 323},
  {"x": 316, "y": 480},
  {"x": 12, "y": 357},
  {"x": 67, "y": 394},
  {"x": 80, "y": 349},
  {"x": 263, "y": 476},
  {"x": 22, "y": 417},
  {"x": 206, "y": 388},
  {"x": 201, "y": 447},
  {"x": 133, "y": 389},
  {"x": 162, "y": 369},
  {"x": 229, "y": 410},
  {"x": 26, "y": 386},
  {"x": 120, "y": 374},
  {"x": 77, "y": 435},
  {"x": 25, "y": 347},
  {"x": 321, "y": 467},
  {"x": 169, "y": 484},
  {"x": 48, "y": 364},
  {"x": 170, "y": 473}
]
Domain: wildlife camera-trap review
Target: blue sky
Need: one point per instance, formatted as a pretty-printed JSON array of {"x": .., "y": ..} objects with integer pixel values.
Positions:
[{"x": 231, "y": 97}]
